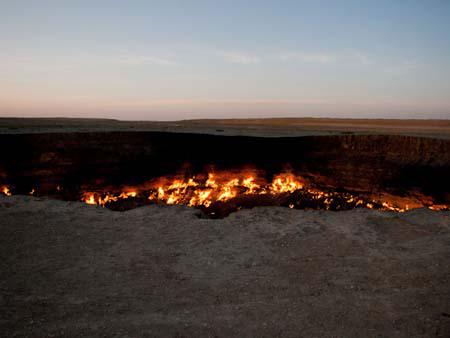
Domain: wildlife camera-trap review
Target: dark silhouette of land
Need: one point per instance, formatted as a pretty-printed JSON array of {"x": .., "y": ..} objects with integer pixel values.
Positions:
[{"x": 251, "y": 127}]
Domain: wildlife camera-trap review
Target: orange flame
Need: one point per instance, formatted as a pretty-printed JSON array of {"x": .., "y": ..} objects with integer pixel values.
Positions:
[
  {"x": 285, "y": 183},
  {"x": 250, "y": 185},
  {"x": 103, "y": 199},
  {"x": 224, "y": 186},
  {"x": 5, "y": 190},
  {"x": 218, "y": 188}
]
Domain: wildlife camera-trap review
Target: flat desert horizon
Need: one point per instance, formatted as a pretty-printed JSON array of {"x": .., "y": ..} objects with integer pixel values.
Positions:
[{"x": 249, "y": 126}]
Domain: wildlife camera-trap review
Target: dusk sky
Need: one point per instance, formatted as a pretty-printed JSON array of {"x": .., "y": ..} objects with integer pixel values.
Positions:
[{"x": 166, "y": 60}]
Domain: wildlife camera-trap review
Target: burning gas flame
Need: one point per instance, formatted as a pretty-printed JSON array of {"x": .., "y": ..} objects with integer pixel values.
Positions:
[
  {"x": 89, "y": 198},
  {"x": 103, "y": 199},
  {"x": 250, "y": 185},
  {"x": 222, "y": 187},
  {"x": 233, "y": 188},
  {"x": 285, "y": 183},
  {"x": 5, "y": 190}
]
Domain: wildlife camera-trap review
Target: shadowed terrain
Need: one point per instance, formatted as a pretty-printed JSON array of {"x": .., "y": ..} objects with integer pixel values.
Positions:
[{"x": 250, "y": 127}]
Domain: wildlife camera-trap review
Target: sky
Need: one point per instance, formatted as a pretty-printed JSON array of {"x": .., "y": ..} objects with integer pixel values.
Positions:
[{"x": 171, "y": 60}]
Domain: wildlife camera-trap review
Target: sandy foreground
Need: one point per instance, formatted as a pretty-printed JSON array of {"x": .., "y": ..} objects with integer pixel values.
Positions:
[{"x": 69, "y": 269}]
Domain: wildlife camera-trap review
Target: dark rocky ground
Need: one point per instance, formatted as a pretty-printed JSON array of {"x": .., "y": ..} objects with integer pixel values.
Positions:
[{"x": 69, "y": 269}]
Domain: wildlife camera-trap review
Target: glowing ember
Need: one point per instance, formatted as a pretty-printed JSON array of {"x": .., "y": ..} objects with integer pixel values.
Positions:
[{"x": 438, "y": 207}]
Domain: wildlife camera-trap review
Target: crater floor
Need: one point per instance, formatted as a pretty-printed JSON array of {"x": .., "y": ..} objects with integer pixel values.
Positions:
[{"x": 77, "y": 270}]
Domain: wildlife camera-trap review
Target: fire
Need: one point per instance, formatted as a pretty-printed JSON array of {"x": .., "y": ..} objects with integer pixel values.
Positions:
[
  {"x": 200, "y": 192},
  {"x": 89, "y": 198},
  {"x": 173, "y": 199},
  {"x": 202, "y": 197},
  {"x": 250, "y": 185},
  {"x": 390, "y": 206},
  {"x": 103, "y": 199},
  {"x": 438, "y": 207},
  {"x": 221, "y": 187},
  {"x": 5, "y": 190},
  {"x": 285, "y": 183},
  {"x": 239, "y": 189},
  {"x": 128, "y": 194},
  {"x": 211, "y": 182},
  {"x": 228, "y": 191}
]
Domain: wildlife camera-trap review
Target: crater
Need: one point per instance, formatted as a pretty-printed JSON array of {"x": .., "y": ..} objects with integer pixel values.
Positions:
[{"x": 220, "y": 174}]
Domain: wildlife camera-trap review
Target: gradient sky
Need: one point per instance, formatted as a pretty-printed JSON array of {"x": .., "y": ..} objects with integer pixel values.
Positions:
[{"x": 165, "y": 60}]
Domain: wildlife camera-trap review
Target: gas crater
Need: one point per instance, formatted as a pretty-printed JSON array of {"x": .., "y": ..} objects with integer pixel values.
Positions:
[{"x": 222, "y": 174}]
